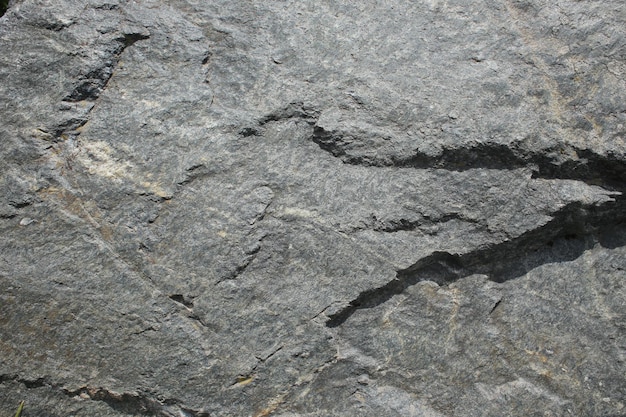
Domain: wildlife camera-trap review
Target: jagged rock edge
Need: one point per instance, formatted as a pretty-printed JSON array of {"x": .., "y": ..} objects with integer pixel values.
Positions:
[
  {"x": 591, "y": 222},
  {"x": 608, "y": 171},
  {"x": 91, "y": 86},
  {"x": 126, "y": 402},
  {"x": 573, "y": 229},
  {"x": 100, "y": 78}
]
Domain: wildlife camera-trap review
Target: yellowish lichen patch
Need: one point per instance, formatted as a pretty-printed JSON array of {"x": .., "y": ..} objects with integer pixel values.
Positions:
[{"x": 242, "y": 381}]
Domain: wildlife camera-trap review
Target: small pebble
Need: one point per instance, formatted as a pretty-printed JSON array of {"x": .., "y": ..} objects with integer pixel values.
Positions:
[
  {"x": 26, "y": 221},
  {"x": 363, "y": 379}
]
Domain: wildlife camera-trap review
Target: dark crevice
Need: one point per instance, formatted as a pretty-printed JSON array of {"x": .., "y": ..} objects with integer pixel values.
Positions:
[
  {"x": 93, "y": 83},
  {"x": 136, "y": 403},
  {"x": 495, "y": 306},
  {"x": 423, "y": 223},
  {"x": 7, "y": 378},
  {"x": 293, "y": 110},
  {"x": 20, "y": 204},
  {"x": 181, "y": 299},
  {"x": 129, "y": 403},
  {"x": 187, "y": 301},
  {"x": 244, "y": 379},
  {"x": 70, "y": 126},
  {"x": 278, "y": 349},
  {"x": 107, "y": 6},
  {"x": 200, "y": 320},
  {"x": 4, "y": 5},
  {"x": 37, "y": 383},
  {"x": 195, "y": 172},
  {"x": 608, "y": 170},
  {"x": 336, "y": 145},
  {"x": 90, "y": 88},
  {"x": 147, "y": 404},
  {"x": 28, "y": 383},
  {"x": 262, "y": 360},
  {"x": 129, "y": 39},
  {"x": 250, "y": 131},
  {"x": 571, "y": 231},
  {"x": 207, "y": 57},
  {"x": 396, "y": 225}
]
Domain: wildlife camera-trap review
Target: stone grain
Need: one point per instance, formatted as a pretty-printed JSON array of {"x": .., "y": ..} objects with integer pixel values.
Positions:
[{"x": 299, "y": 208}]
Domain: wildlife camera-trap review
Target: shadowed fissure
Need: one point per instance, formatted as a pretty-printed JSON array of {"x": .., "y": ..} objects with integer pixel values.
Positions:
[
  {"x": 96, "y": 81},
  {"x": 133, "y": 403},
  {"x": 571, "y": 231},
  {"x": 608, "y": 171},
  {"x": 605, "y": 170}
]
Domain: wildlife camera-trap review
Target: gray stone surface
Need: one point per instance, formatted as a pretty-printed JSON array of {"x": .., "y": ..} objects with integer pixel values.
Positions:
[{"x": 313, "y": 208}]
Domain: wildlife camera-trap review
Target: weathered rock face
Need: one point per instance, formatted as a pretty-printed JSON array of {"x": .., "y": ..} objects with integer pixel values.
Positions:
[{"x": 313, "y": 208}]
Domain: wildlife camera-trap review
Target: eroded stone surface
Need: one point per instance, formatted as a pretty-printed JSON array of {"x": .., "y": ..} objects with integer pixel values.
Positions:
[{"x": 309, "y": 209}]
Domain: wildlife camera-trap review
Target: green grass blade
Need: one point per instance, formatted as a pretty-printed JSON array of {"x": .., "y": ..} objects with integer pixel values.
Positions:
[{"x": 19, "y": 409}]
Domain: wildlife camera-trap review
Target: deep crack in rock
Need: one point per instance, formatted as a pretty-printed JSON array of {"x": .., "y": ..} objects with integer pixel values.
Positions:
[
  {"x": 93, "y": 83},
  {"x": 570, "y": 232},
  {"x": 125, "y": 402},
  {"x": 605, "y": 170}
]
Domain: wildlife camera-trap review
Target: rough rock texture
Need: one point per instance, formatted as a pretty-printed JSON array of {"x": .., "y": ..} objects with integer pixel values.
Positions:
[{"x": 313, "y": 208}]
